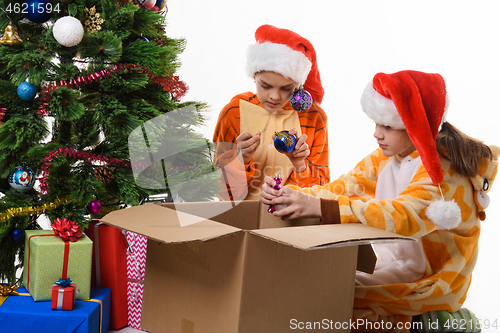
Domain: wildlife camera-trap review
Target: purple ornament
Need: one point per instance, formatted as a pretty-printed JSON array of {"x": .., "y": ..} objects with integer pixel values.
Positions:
[
  {"x": 94, "y": 207},
  {"x": 301, "y": 100},
  {"x": 278, "y": 181}
]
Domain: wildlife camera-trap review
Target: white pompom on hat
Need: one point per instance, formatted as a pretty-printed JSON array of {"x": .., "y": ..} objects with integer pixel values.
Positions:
[{"x": 287, "y": 53}]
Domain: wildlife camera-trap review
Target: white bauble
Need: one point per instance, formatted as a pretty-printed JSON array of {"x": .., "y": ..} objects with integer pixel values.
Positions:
[{"x": 68, "y": 31}]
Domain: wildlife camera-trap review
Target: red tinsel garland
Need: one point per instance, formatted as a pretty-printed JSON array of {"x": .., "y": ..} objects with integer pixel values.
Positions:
[
  {"x": 80, "y": 155},
  {"x": 170, "y": 83}
]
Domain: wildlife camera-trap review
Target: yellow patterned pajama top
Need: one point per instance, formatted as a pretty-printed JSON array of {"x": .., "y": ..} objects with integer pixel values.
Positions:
[{"x": 450, "y": 255}]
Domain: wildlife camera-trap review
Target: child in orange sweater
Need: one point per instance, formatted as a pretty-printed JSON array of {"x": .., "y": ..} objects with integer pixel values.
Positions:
[{"x": 281, "y": 62}]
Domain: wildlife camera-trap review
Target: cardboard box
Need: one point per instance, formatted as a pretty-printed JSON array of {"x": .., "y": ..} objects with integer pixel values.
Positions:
[
  {"x": 44, "y": 261},
  {"x": 245, "y": 270}
]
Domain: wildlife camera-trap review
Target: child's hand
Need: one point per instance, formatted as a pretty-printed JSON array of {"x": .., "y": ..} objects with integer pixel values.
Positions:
[
  {"x": 268, "y": 191},
  {"x": 298, "y": 155},
  {"x": 296, "y": 204},
  {"x": 247, "y": 144}
]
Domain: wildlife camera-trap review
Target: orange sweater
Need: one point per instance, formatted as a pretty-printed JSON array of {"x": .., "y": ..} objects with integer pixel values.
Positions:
[{"x": 313, "y": 122}]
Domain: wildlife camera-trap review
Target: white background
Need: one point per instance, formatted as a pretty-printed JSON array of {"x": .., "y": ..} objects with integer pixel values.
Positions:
[{"x": 354, "y": 40}]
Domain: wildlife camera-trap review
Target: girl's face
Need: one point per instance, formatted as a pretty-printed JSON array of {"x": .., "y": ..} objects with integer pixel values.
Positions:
[
  {"x": 393, "y": 141},
  {"x": 273, "y": 90}
]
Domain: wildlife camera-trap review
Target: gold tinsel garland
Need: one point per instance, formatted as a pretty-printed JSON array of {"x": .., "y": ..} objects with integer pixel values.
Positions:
[{"x": 12, "y": 212}]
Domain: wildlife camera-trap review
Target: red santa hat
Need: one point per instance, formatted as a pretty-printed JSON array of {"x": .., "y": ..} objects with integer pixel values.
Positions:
[
  {"x": 287, "y": 53},
  {"x": 414, "y": 101},
  {"x": 417, "y": 102}
]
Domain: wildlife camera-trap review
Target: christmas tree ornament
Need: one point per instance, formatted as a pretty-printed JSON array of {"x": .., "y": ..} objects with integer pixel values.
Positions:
[
  {"x": 26, "y": 91},
  {"x": 277, "y": 178},
  {"x": 22, "y": 178},
  {"x": 284, "y": 142},
  {"x": 38, "y": 11},
  {"x": 93, "y": 20},
  {"x": 94, "y": 207},
  {"x": 68, "y": 31},
  {"x": 301, "y": 100},
  {"x": 147, "y": 3},
  {"x": 161, "y": 4},
  {"x": 10, "y": 36},
  {"x": 17, "y": 234}
]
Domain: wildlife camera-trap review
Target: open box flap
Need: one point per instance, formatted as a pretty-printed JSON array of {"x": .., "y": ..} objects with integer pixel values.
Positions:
[
  {"x": 166, "y": 225},
  {"x": 331, "y": 235}
]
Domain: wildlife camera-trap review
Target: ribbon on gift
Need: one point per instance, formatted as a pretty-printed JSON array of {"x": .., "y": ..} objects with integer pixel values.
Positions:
[
  {"x": 7, "y": 290},
  {"x": 66, "y": 229},
  {"x": 96, "y": 251},
  {"x": 63, "y": 282},
  {"x": 100, "y": 307},
  {"x": 65, "y": 296},
  {"x": 65, "y": 259}
]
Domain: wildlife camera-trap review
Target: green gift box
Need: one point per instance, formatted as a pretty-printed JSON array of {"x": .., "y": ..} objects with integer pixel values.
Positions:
[{"x": 44, "y": 259}]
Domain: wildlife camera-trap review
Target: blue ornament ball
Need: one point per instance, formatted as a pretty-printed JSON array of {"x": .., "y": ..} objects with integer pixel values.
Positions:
[
  {"x": 38, "y": 11},
  {"x": 17, "y": 235},
  {"x": 284, "y": 142},
  {"x": 22, "y": 178},
  {"x": 301, "y": 100},
  {"x": 26, "y": 91}
]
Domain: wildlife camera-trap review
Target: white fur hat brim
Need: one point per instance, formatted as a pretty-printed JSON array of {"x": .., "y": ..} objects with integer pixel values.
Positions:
[
  {"x": 280, "y": 59},
  {"x": 380, "y": 108}
]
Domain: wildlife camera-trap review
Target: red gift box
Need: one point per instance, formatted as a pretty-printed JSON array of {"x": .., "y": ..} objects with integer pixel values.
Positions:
[
  {"x": 109, "y": 268},
  {"x": 63, "y": 298}
]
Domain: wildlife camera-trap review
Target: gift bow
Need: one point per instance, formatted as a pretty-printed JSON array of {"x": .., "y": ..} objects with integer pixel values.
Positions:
[
  {"x": 63, "y": 282},
  {"x": 66, "y": 229},
  {"x": 7, "y": 290}
]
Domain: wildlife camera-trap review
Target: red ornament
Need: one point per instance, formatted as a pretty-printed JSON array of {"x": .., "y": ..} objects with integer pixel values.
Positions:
[{"x": 66, "y": 229}]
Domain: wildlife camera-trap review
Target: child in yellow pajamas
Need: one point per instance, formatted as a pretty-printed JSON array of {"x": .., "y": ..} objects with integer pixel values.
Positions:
[{"x": 427, "y": 180}]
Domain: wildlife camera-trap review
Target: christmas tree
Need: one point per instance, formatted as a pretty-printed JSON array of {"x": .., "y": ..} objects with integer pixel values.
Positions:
[{"x": 84, "y": 85}]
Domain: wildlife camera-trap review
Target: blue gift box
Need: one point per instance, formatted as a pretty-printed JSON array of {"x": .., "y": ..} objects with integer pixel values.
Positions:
[{"x": 20, "y": 314}]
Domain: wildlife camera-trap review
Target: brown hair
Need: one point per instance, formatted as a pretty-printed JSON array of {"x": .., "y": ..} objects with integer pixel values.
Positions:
[{"x": 464, "y": 153}]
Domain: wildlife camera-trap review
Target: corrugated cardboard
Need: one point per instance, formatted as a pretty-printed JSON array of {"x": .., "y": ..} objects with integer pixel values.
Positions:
[{"x": 244, "y": 270}]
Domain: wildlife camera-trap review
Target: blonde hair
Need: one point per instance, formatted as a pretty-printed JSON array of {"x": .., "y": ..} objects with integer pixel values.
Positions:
[{"x": 464, "y": 152}]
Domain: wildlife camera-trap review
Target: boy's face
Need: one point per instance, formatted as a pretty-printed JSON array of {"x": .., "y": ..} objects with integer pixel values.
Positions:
[
  {"x": 273, "y": 90},
  {"x": 393, "y": 141}
]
